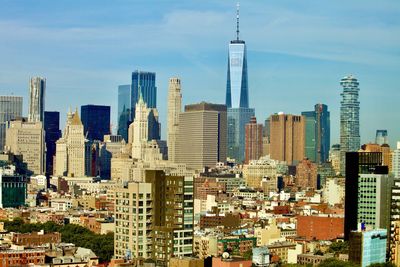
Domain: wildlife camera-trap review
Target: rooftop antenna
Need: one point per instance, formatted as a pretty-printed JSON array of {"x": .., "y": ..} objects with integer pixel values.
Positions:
[{"x": 237, "y": 21}]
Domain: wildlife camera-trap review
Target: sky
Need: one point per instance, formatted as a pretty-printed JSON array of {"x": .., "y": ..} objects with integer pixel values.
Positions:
[{"x": 297, "y": 53}]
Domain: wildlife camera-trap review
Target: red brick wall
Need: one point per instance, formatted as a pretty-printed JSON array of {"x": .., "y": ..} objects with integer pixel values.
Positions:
[{"x": 320, "y": 228}]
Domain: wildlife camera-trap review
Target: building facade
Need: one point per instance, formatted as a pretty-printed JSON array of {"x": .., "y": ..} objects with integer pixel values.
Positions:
[
  {"x": 37, "y": 89},
  {"x": 143, "y": 83},
  {"x": 124, "y": 110},
  {"x": 317, "y": 133},
  {"x": 349, "y": 119},
  {"x": 396, "y": 161},
  {"x": 381, "y": 137},
  {"x": 201, "y": 138},
  {"x": 253, "y": 140},
  {"x": 306, "y": 174},
  {"x": 96, "y": 121},
  {"x": 237, "y": 97},
  {"x": 52, "y": 134},
  {"x": 287, "y": 137},
  {"x": 70, "y": 148},
  {"x": 27, "y": 139},
  {"x": 174, "y": 111},
  {"x": 10, "y": 109},
  {"x": 368, "y": 247}
]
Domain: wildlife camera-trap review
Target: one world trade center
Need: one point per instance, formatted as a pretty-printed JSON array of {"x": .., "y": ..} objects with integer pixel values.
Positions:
[{"x": 237, "y": 96}]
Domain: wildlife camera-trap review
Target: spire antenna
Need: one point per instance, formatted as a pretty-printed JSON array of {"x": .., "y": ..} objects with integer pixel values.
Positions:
[{"x": 237, "y": 21}]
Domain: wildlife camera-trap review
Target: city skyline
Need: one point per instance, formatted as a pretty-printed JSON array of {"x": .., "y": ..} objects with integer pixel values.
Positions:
[{"x": 283, "y": 72}]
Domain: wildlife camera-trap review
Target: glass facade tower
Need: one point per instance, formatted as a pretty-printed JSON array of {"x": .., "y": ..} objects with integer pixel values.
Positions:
[
  {"x": 52, "y": 134},
  {"x": 10, "y": 108},
  {"x": 317, "y": 141},
  {"x": 96, "y": 121},
  {"x": 146, "y": 83},
  {"x": 349, "y": 118},
  {"x": 237, "y": 97},
  {"x": 124, "y": 110}
]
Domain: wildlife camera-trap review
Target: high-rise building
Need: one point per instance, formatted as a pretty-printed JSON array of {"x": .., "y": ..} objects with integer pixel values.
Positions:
[
  {"x": 253, "y": 140},
  {"x": 367, "y": 187},
  {"x": 96, "y": 121},
  {"x": 52, "y": 134},
  {"x": 384, "y": 149},
  {"x": 237, "y": 97},
  {"x": 145, "y": 127},
  {"x": 124, "y": 110},
  {"x": 381, "y": 137},
  {"x": 201, "y": 138},
  {"x": 334, "y": 157},
  {"x": 27, "y": 139},
  {"x": 70, "y": 148},
  {"x": 37, "y": 89},
  {"x": 13, "y": 190},
  {"x": 394, "y": 243},
  {"x": 10, "y": 109},
  {"x": 143, "y": 83},
  {"x": 160, "y": 224},
  {"x": 349, "y": 119},
  {"x": 112, "y": 146},
  {"x": 368, "y": 247},
  {"x": 317, "y": 135},
  {"x": 396, "y": 161},
  {"x": 287, "y": 137},
  {"x": 174, "y": 110}
]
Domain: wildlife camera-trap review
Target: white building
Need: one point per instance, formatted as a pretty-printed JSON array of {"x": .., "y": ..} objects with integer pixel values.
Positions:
[
  {"x": 37, "y": 88},
  {"x": 396, "y": 161}
]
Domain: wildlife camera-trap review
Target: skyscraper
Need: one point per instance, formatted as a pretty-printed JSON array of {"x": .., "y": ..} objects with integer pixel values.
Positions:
[
  {"x": 396, "y": 161},
  {"x": 145, "y": 82},
  {"x": 254, "y": 138},
  {"x": 70, "y": 148},
  {"x": 287, "y": 137},
  {"x": 317, "y": 135},
  {"x": 174, "y": 110},
  {"x": 37, "y": 89},
  {"x": 237, "y": 96},
  {"x": 349, "y": 119},
  {"x": 364, "y": 201},
  {"x": 96, "y": 121},
  {"x": 52, "y": 134},
  {"x": 381, "y": 137},
  {"x": 27, "y": 139},
  {"x": 201, "y": 138},
  {"x": 10, "y": 108},
  {"x": 124, "y": 110}
]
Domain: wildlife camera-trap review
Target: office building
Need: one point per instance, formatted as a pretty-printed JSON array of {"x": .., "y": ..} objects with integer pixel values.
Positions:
[
  {"x": 144, "y": 128},
  {"x": 368, "y": 247},
  {"x": 384, "y": 149},
  {"x": 124, "y": 110},
  {"x": 253, "y": 140},
  {"x": 201, "y": 138},
  {"x": 13, "y": 190},
  {"x": 317, "y": 133},
  {"x": 287, "y": 137},
  {"x": 52, "y": 134},
  {"x": 334, "y": 157},
  {"x": 366, "y": 188},
  {"x": 27, "y": 139},
  {"x": 10, "y": 109},
  {"x": 143, "y": 83},
  {"x": 394, "y": 242},
  {"x": 237, "y": 97},
  {"x": 306, "y": 174},
  {"x": 96, "y": 121},
  {"x": 381, "y": 137},
  {"x": 109, "y": 148},
  {"x": 349, "y": 119},
  {"x": 37, "y": 89},
  {"x": 160, "y": 225},
  {"x": 174, "y": 111},
  {"x": 396, "y": 161},
  {"x": 70, "y": 148}
]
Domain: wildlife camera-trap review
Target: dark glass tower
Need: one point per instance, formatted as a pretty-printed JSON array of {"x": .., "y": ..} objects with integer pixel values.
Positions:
[
  {"x": 237, "y": 96},
  {"x": 96, "y": 121},
  {"x": 317, "y": 141},
  {"x": 146, "y": 83},
  {"x": 52, "y": 134},
  {"x": 124, "y": 110}
]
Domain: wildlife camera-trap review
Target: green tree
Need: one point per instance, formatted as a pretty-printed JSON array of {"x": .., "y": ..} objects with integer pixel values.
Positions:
[
  {"x": 339, "y": 247},
  {"x": 386, "y": 264},
  {"x": 333, "y": 262}
]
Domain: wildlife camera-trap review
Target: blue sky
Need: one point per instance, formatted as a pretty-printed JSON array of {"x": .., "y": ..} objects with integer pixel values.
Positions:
[{"x": 297, "y": 53}]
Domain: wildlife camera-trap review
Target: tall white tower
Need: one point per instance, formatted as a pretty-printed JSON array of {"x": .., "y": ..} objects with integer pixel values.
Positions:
[
  {"x": 174, "y": 109},
  {"x": 140, "y": 128},
  {"x": 37, "y": 88}
]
